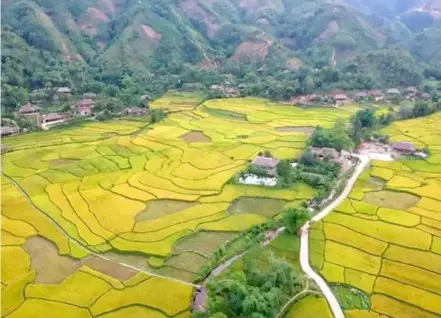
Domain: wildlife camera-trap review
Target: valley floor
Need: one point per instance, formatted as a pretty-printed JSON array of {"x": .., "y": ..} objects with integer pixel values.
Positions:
[{"x": 116, "y": 219}]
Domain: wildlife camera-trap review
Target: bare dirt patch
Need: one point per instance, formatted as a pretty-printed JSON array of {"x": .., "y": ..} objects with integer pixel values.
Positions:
[
  {"x": 61, "y": 162},
  {"x": 192, "y": 10},
  {"x": 330, "y": 31},
  {"x": 375, "y": 183},
  {"x": 158, "y": 208},
  {"x": 150, "y": 33},
  {"x": 90, "y": 21},
  {"x": 109, "y": 268},
  {"x": 206, "y": 63},
  {"x": 51, "y": 267},
  {"x": 391, "y": 199},
  {"x": 308, "y": 130},
  {"x": 256, "y": 48},
  {"x": 195, "y": 136}
]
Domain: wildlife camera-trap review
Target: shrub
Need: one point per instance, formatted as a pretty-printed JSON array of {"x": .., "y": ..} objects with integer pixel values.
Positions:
[{"x": 294, "y": 218}]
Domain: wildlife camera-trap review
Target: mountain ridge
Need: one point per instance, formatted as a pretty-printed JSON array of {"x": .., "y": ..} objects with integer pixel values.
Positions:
[{"x": 180, "y": 39}]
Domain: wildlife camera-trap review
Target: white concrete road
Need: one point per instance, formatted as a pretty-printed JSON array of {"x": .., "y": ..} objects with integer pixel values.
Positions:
[{"x": 304, "y": 239}]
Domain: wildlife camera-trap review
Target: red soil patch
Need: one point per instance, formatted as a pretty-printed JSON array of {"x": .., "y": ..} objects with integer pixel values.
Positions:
[
  {"x": 330, "y": 31},
  {"x": 206, "y": 63},
  {"x": 51, "y": 267},
  {"x": 195, "y": 136},
  {"x": 91, "y": 20},
  {"x": 109, "y": 268},
  {"x": 250, "y": 48},
  {"x": 192, "y": 10},
  {"x": 150, "y": 33}
]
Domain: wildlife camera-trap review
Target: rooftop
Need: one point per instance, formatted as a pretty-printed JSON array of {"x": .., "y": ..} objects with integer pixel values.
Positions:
[
  {"x": 403, "y": 146},
  {"x": 325, "y": 152},
  {"x": 52, "y": 116},
  {"x": 8, "y": 130},
  {"x": 265, "y": 162},
  {"x": 63, "y": 90},
  {"x": 28, "y": 108},
  {"x": 377, "y": 93},
  {"x": 146, "y": 97},
  {"x": 341, "y": 97},
  {"x": 86, "y": 102},
  {"x": 134, "y": 110},
  {"x": 412, "y": 89},
  {"x": 393, "y": 91}
]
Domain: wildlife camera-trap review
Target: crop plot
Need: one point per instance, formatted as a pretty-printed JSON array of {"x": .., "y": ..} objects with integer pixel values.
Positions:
[
  {"x": 156, "y": 199},
  {"x": 394, "y": 256}
]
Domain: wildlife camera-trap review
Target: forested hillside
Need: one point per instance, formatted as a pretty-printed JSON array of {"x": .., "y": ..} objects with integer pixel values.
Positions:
[{"x": 276, "y": 48}]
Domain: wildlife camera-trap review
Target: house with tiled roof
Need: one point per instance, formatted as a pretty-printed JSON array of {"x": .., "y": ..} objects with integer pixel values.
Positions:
[
  {"x": 266, "y": 163},
  {"x": 29, "y": 109}
]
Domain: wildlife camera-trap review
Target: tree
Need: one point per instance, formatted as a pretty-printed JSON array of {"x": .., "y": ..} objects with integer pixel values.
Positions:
[
  {"x": 366, "y": 118},
  {"x": 294, "y": 218},
  {"x": 335, "y": 137},
  {"x": 308, "y": 158},
  {"x": 156, "y": 115},
  {"x": 421, "y": 109}
]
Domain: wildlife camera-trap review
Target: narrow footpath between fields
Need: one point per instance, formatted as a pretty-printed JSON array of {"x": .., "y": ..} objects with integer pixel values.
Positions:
[{"x": 81, "y": 246}]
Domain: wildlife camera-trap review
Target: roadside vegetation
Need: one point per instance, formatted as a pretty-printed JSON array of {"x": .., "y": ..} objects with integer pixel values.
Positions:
[{"x": 380, "y": 245}]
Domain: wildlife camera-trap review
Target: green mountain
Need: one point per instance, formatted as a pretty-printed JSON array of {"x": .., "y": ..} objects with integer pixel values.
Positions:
[{"x": 135, "y": 46}]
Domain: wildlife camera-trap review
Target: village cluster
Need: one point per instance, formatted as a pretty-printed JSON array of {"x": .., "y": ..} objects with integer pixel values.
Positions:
[
  {"x": 81, "y": 108},
  {"x": 340, "y": 97},
  {"x": 268, "y": 165},
  {"x": 85, "y": 107}
]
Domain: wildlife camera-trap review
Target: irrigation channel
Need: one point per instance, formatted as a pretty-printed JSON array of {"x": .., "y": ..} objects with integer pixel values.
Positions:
[{"x": 364, "y": 160}]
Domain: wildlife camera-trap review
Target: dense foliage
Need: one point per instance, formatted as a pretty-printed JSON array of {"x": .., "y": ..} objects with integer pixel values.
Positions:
[
  {"x": 254, "y": 291},
  {"x": 295, "y": 218},
  {"x": 335, "y": 137},
  {"x": 148, "y": 47}
]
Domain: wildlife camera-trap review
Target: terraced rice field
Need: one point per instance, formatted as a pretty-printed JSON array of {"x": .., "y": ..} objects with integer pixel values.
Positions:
[
  {"x": 384, "y": 240},
  {"x": 143, "y": 196}
]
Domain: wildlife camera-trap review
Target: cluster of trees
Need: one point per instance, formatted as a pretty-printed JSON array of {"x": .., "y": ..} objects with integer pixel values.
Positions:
[
  {"x": 34, "y": 54},
  {"x": 335, "y": 137},
  {"x": 311, "y": 170},
  {"x": 253, "y": 291},
  {"x": 364, "y": 124},
  {"x": 295, "y": 218}
]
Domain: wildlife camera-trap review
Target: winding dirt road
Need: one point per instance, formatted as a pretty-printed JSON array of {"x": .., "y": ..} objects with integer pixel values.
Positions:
[{"x": 304, "y": 240}]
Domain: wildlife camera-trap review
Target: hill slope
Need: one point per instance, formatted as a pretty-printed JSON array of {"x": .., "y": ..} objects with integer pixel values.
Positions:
[{"x": 94, "y": 44}]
